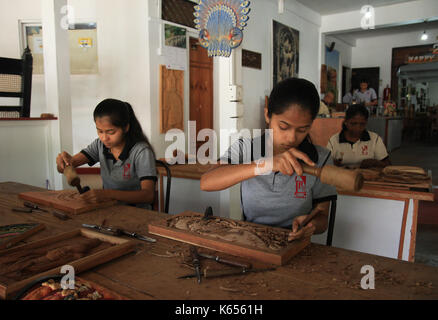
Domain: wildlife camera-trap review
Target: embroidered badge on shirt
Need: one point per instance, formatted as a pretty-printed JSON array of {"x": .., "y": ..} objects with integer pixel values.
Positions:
[
  {"x": 127, "y": 171},
  {"x": 300, "y": 187},
  {"x": 365, "y": 150}
]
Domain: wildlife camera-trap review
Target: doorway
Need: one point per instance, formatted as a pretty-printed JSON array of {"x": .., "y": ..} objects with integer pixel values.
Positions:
[
  {"x": 372, "y": 75},
  {"x": 201, "y": 88}
]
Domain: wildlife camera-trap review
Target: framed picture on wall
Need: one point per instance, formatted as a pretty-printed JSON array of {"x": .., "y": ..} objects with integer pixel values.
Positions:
[
  {"x": 82, "y": 41},
  {"x": 332, "y": 62},
  {"x": 286, "y": 47},
  {"x": 31, "y": 35},
  {"x": 175, "y": 36}
]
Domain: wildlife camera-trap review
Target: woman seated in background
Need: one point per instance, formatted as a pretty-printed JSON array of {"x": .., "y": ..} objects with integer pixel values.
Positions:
[{"x": 356, "y": 147}]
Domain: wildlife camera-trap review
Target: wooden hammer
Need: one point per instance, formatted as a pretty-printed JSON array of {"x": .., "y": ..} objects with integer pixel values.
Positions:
[
  {"x": 344, "y": 179},
  {"x": 74, "y": 180}
]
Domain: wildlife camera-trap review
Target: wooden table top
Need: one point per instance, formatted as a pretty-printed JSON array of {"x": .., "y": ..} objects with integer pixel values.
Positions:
[
  {"x": 195, "y": 171},
  {"x": 319, "y": 272}
]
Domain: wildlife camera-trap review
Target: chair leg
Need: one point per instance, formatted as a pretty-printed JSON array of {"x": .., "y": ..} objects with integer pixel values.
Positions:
[{"x": 331, "y": 225}]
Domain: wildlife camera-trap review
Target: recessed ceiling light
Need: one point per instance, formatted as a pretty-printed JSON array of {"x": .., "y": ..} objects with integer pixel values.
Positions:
[
  {"x": 424, "y": 36},
  {"x": 368, "y": 14}
]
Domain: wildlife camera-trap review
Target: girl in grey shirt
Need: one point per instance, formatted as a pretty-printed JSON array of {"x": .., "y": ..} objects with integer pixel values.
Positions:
[{"x": 126, "y": 158}]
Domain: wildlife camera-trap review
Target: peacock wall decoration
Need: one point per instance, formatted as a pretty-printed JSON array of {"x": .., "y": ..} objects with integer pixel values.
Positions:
[{"x": 220, "y": 24}]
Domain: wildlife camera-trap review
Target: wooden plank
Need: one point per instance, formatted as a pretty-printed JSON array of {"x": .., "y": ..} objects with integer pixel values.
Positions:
[
  {"x": 67, "y": 201},
  {"x": 413, "y": 232},
  {"x": 171, "y": 99},
  {"x": 120, "y": 247},
  {"x": 275, "y": 257},
  {"x": 402, "y": 231},
  {"x": 391, "y": 194}
]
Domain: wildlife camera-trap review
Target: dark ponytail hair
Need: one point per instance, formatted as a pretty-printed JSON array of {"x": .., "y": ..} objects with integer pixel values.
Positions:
[
  {"x": 294, "y": 91},
  {"x": 121, "y": 115},
  {"x": 353, "y": 110}
]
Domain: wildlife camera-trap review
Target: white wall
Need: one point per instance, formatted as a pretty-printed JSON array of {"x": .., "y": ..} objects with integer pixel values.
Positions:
[
  {"x": 127, "y": 40},
  {"x": 10, "y": 13},
  {"x": 258, "y": 38},
  {"x": 377, "y": 51},
  {"x": 122, "y": 56}
]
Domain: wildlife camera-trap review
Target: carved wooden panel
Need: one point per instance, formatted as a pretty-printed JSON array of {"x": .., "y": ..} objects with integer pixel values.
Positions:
[
  {"x": 171, "y": 99},
  {"x": 243, "y": 239}
]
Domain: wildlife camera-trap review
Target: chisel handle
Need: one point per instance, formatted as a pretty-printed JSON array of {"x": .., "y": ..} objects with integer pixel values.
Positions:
[{"x": 233, "y": 263}]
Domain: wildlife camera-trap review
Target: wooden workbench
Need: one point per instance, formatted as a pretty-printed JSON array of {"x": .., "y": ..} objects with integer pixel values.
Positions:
[
  {"x": 377, "y": 219},
  {"x": 319, "y": 272}
]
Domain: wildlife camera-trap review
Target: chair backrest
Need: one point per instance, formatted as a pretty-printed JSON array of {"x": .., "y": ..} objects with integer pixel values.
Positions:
[
  {"x": 331, "y": 224},
  {"x": 16, "y": 82},
  {"x": 163, "y": 164}
]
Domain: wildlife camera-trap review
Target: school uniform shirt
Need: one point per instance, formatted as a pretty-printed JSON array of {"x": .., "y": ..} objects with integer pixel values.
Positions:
[
  {"x": 365, "y": 97},
  {"x": 136, "y": 163},
  {"x": 369, "y": 146},
  {"x": 276, "y": 199}
]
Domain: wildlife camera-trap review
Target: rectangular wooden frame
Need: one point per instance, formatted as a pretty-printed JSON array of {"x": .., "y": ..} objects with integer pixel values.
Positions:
[
  {"x": 72, "y": 207},
  {"x": 121, "y": 247},
  {"x": 10, "y": 242},
  {"x": 263, "y": 255}
]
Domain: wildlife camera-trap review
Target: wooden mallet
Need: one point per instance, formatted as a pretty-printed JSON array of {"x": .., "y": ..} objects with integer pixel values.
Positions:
[
  {"x": 343, "y": 179},
  {"x": 74, "y": 180}
]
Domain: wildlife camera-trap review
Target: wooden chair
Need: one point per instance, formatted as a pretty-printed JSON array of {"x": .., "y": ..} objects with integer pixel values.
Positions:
[
  {"x": 331, "y": 225},
  {"x": 16, "y": 82},
  {"x": 163, "y": 164}
]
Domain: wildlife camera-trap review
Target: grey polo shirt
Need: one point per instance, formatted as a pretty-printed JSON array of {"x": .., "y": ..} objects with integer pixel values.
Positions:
[
  {"x": 136, "y": 163},
  {"x": 276, "y": 199}
]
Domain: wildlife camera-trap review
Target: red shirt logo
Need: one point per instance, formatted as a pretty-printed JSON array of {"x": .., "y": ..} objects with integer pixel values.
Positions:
[
  {"x": 127, "y": 171},
  {"x": 300, "y": 187},
  {"x": 365, "y": 150}
]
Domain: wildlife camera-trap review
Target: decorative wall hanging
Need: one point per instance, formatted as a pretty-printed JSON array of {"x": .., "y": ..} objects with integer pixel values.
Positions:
[
  {"x": 220, "y": 24},
  {"x": 286, "y": 52},
  {"x": 251, "y": 59},
  {"x": 332, "y": 62},
  {"x": 171, "y": 99}
]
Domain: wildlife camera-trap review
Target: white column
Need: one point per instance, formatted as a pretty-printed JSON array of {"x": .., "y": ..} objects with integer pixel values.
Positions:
[
  {"x": 57, "y": 80},
  {"x": 229, "y": 73}
]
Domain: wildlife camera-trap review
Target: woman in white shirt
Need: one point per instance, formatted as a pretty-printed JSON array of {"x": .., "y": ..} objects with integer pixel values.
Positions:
[{"x": 355, "y": 146}]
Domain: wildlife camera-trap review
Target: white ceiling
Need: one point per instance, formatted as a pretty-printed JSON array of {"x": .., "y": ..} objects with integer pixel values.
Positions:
[{"x": 325, "y": 7}]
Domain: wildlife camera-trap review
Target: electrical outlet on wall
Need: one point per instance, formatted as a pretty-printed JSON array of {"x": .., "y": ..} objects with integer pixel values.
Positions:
[{"x": 235, "y": 93}]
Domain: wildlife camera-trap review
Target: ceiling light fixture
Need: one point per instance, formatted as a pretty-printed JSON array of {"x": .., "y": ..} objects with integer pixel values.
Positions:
[
  {"x": 368, "y": 14},
  {"x": 424, "y": 36}
]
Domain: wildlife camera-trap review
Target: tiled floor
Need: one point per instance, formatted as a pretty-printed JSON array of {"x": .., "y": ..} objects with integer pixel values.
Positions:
[
  {"x": 425, "y": 155},
  {"x": 426, "y": 251},
  {"x": 419, "y": 154}
]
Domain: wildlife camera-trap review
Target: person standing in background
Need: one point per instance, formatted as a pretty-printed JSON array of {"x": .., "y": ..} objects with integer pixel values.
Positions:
[{"x": 366, "y": 96}]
